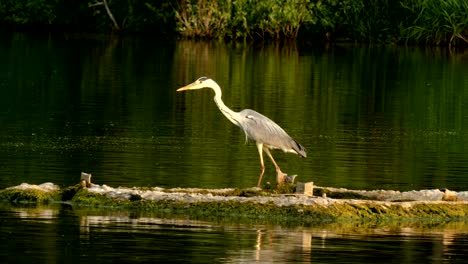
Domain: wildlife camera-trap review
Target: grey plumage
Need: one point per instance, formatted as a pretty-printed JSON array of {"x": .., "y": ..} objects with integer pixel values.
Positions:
[
  {"x": 257, "y": 127},
  {"x": 260, "y": 128}
]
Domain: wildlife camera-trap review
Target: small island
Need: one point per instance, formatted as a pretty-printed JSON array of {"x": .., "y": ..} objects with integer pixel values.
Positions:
[{"x": 325, "y": 205}]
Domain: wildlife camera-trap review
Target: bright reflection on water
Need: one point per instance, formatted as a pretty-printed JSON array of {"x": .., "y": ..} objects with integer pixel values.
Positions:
[
  {"x": 62, "y": 234},
  {"x": 370, "y": 118}
]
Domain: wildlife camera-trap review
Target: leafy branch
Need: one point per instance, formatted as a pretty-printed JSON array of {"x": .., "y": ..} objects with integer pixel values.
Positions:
[{"x": 109, "y": 13}]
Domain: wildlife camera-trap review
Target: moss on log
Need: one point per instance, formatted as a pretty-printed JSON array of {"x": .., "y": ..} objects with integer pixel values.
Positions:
[{"x": 242, "y": 203}]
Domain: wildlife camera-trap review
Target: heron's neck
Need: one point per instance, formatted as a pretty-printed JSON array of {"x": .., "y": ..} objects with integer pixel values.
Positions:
[{"x": 228, "y": 113}]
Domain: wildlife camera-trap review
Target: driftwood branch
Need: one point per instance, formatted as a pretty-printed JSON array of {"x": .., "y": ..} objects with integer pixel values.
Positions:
[
  {"x": 95, "y": 4},
  {"x": 109, "y": 13}
]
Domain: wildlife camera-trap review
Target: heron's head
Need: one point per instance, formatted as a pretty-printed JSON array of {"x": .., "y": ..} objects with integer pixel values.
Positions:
[{"x": 202, "y": 82}]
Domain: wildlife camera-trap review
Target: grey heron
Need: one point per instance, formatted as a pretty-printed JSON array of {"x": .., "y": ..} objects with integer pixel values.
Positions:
[{"x": 257, "y": 127}]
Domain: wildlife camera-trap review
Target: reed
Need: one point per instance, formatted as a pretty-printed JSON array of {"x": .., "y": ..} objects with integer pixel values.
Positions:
[
  {"x": 354, "y": 20},
  {"x": 437, "y": 22},
  {"x": 202, "y": 18},
  {"x": 430, "y": 22},
  {"x": 241, "y": 19}
]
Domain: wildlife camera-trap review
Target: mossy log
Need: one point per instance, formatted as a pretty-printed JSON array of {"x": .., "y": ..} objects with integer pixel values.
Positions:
[{"x": 252, "y": 203}]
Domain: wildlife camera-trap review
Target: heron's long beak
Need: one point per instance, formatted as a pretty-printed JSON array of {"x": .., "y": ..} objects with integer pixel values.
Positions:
[
  {"x": 185, "y": 88},
  {"x": 192, "y": 86}
]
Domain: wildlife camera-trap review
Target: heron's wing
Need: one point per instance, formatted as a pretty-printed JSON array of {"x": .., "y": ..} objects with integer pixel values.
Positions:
[{"x": 263, "y": 130}]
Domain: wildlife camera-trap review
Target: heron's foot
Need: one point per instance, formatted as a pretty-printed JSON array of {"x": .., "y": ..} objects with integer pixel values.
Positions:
[
  {"x": 282, "y": 178},
  {"x": 290, "y": 179}
]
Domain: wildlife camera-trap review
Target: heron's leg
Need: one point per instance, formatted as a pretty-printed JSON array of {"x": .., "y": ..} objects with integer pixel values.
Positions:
[
  {"x": 260, "y": 153},
  {"x": 280, "y": 176}
]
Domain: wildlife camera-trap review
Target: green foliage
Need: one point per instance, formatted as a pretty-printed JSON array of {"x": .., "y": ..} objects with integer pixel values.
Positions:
[
  {"x": 132, "y": 15},
  {"x": 135, "y": 16},
  {"x": 358, "y": 20},
  {"x": 27, "y": 12},
  {"x": 155, "y": 15},
  {"x": 437, "y": 22},
  {"x": 432, "y": 22},
  {"x": 241, "y": 19},
  {"x": 269, "y": 19},
  {"x": 203, "y": 18}
]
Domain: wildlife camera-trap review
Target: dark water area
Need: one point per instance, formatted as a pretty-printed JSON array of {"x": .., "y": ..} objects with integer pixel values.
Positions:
[
  {"x": 369, "y": 117},
  {"x": 58, "y": 234}
]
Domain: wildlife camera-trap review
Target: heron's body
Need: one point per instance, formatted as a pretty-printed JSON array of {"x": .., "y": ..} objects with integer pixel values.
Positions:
[
  {"x": 257, "y": 127},
  {"x": 260, "y": 128}
]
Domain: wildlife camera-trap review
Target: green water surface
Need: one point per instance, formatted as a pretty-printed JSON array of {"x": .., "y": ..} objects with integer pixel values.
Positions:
[{"x": 369, "y": 117}]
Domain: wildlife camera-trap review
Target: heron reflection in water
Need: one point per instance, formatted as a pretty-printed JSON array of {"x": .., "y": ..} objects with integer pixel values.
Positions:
[{"x": 257, "y": 127}]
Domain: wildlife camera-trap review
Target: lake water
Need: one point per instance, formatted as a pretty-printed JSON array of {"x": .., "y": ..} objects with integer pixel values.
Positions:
[
  {"x": 60, "y": 234},
  {"x": 369, "y": 117}
]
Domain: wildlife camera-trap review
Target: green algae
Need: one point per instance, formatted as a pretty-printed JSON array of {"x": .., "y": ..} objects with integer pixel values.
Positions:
[
  {"x": 338, "y": 195},
  {"x": 250, "y": 192},
  {"x": 338, "y": 211},
  {"x": 29, "y": 196},
  {"x": 325, "y": 210},
  {"x": 235, "y": 210},
  {"x": 399, "y": 211}
]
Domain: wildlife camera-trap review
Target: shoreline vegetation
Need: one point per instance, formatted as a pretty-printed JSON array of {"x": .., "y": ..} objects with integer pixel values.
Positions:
[{"x": 414, "y": 22}]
